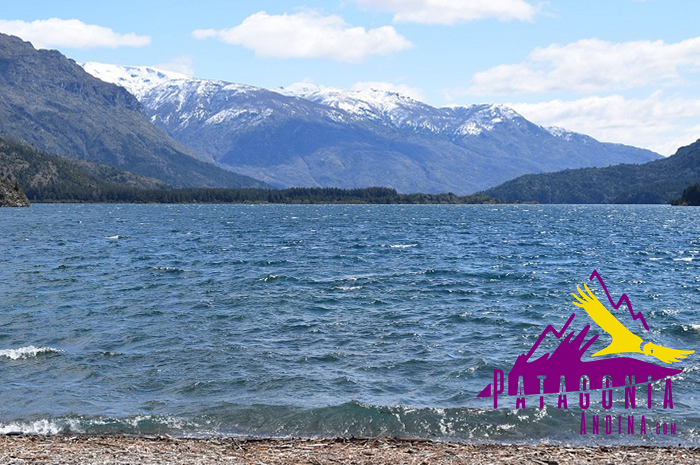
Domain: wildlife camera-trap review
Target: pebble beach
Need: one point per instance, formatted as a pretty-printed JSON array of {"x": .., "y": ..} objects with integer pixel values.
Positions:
[{"x": 27, "y": 449}]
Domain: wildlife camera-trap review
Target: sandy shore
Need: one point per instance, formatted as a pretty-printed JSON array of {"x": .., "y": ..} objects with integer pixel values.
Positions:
[{"x": 138, "y": 450}]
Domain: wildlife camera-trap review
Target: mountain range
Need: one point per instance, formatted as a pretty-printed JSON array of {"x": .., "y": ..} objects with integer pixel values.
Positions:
[
  {"x": 50, "y": 102},
  {"x": 315, "y": 137},
  {"x": 187, "y": 132}
]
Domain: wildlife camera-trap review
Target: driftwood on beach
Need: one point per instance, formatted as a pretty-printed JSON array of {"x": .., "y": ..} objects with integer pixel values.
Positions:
[{"x": 24, "y": 449}]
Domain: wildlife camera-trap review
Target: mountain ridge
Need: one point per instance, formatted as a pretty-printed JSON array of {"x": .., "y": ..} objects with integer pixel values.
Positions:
[{"x": 314, "y": 137}]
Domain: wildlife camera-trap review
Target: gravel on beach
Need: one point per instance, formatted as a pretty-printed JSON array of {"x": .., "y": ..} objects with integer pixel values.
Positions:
[{"x": 64, "y": 449}]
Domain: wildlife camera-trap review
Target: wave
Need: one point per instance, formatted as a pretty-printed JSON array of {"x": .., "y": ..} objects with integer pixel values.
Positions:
[
  {"x": 28, "y": 352},
  {"x": 167, "y": 269},
  {"x": 346, "y": 288},
  {"x": 43, "y": 427},
  {"x": 137, "y": 425},
  {"x": 356, "y": 419},
  {"x": 231, "y": 420}
]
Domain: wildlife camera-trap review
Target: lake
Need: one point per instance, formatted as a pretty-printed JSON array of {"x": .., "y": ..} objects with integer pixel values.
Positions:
[{"x": 329, "y": 320}]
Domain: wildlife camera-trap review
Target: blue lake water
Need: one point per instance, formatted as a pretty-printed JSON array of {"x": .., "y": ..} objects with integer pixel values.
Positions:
[{"x": 328, "y": 320}]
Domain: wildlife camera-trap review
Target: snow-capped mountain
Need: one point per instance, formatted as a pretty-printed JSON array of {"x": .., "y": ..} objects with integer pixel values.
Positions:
[
  {"x": 403, "y": 112},
  {"x": 305, "y": 135}
]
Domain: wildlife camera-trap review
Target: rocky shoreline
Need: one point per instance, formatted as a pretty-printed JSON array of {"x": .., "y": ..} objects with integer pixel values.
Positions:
[
  {"x": 63, "y": 449},
  {"x": 12, "y": 195}
]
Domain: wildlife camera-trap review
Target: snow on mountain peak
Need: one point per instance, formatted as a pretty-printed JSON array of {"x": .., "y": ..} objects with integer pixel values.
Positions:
[
  {"x": 155, "y": 88},
  {"x": 503, "y": 111},
  {"x": 483, "y": 117},
  {"x": 562, "y": 133},
  {"x": 353, "y": 101},
  {"x": 136, "y": 79},
  {"x": 570, "y": 136},
  {"x": 298, "y": 89},
  {"x": 384, "y": 106}
]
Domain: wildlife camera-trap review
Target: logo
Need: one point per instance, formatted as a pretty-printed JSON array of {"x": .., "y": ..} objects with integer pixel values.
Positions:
[{"x": 567, "y": 370}]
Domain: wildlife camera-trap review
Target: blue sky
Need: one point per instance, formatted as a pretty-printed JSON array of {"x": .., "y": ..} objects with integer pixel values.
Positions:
[{"x": 624, "y": 71}]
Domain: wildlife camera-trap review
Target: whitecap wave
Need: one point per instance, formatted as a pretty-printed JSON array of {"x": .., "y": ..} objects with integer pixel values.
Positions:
[
  {"x": 140, "y": 424},
  {"x": 168, "y": 269},
  {"x": 41, "y": 427},
  {"x": 27, "y": 352}
]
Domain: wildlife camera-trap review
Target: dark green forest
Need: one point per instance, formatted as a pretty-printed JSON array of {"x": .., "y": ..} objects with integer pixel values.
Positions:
[
  {"x": 656, "y": 182},
  {"x": 690, "y": 197},
  {"x": 296, "y": 195}
]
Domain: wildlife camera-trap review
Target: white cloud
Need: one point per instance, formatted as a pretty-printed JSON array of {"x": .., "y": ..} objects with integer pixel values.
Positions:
[
  {"x": 309, "y": 35},
  {"x": 70, "y": 33},
  {"x": 656, "y": 122},
  {"x": 181, "y": 64},
  {"x": 453, "y": 11},
  {"x": 591, "y": 65},
  {"x": 403, "y": 89}
]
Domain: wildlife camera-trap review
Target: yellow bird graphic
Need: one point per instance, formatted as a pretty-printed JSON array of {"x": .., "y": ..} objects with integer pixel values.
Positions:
[{"x": 623, "y": 339}]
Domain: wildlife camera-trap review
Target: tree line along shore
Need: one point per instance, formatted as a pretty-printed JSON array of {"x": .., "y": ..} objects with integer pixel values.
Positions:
[{"x": 297, "y": 195}]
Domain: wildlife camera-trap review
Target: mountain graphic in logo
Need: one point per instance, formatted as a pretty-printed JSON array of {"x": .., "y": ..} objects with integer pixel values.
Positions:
[{"x": 543, "y": 375}]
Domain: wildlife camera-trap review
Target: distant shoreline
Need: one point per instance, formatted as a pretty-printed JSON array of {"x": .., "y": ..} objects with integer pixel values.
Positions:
[
  {"x": 79, "y": 449},
  {"x": 294, "y": 195}
]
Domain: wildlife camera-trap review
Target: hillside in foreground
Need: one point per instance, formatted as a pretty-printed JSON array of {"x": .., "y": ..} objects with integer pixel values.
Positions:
[
  {"x": 49, "y": 101},
  {"x": 655, "y": 182}
]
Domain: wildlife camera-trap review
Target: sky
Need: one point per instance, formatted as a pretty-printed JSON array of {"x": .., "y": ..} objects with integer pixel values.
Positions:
[{"x": 624, "y": 71}]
